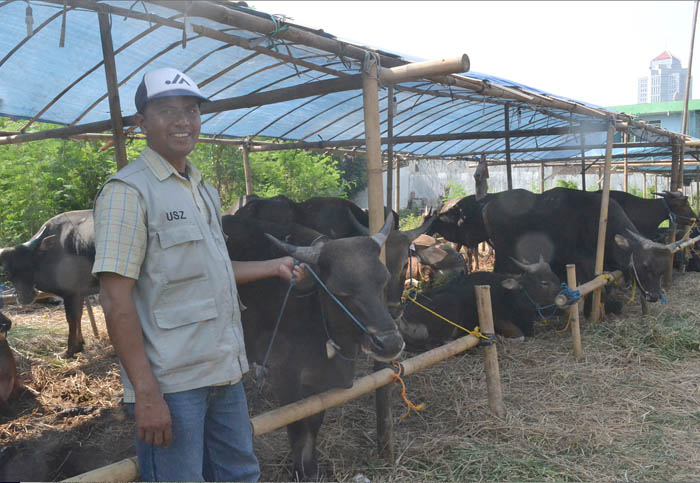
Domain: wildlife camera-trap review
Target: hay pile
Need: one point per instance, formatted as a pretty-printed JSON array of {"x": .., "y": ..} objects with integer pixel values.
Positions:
[{"x": 628, "y": 410}]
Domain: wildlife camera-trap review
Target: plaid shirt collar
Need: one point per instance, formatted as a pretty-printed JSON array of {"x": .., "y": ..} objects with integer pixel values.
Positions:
[{"x": 162, "y": 169}]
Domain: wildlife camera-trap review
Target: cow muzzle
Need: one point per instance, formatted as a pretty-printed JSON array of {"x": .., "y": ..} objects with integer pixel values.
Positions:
[{"x": 383, "y": 347}]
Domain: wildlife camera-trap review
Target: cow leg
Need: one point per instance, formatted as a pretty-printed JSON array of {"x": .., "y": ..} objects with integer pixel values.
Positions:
[
  {"x": 74, "y": 313},
  {"x": 302, "y": 440}
]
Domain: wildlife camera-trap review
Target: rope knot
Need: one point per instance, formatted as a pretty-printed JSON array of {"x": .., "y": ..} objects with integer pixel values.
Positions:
[{"x": 400, "y": 371}]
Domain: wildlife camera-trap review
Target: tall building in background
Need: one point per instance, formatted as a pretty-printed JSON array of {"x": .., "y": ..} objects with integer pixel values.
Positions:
[{"x": 666, "y": 81}]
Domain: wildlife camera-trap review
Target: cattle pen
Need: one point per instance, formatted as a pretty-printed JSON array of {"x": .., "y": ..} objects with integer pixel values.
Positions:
[{"x": 303, "y": 75}]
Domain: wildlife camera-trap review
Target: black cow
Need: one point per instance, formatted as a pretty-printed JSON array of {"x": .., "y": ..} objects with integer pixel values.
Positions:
[
  {"x": 57, "y": 259},
  {"x": 317, "y": 343},
  {"x": 460, "y": 221},
  {"x": 515, "y": 300},
  {"x": 341, "y": 218},
  {"x": 647, "y": 214},
  {"x": 562, "y": 225}
]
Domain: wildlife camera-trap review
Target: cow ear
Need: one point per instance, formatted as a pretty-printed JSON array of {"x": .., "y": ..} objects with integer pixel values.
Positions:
[
  {"x": 510, "y": 284},
  {"x": 47, "y": 243},
  {"x": 622, "y": 242}
]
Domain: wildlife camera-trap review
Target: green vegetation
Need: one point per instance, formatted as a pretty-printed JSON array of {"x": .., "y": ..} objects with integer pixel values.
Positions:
[
  {"x": 562, "y": 183},
  {"x": 454, "y": 190},
  {"x": 41, "y": 179}
]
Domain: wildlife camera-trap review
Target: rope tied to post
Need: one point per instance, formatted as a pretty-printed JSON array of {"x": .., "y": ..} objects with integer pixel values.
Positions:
[
  {"x": 399, "y": 372},
  {"x": 411, "y": 295},
  {"x": 572, "y": 295}
]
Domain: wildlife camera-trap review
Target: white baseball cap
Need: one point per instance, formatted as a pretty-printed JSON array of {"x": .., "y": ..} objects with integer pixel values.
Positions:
[{"x": 165, "y": 82}]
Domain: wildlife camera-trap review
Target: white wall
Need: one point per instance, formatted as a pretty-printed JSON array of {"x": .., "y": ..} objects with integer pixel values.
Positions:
[{"x": 428, "y": 179}]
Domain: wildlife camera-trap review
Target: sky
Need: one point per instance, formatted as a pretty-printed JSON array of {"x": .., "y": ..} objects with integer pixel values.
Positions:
[{"x": 593, "y": 51}]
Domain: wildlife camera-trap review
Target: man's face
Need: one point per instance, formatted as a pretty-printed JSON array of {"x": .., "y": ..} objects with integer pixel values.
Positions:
[{"x": 171, "y": 125}]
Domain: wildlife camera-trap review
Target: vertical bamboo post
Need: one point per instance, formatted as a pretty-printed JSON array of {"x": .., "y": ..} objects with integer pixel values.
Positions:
[
  {"x": 686, "y": 98},
  {"x": 573, "y": 312},
  {"x": 697, "y": 189},
  {"x": 389, "y": 144},
  {"x": 509, "y": 168},
  {"x": 91, "y": 315},
  {"x": 397, "y": 203},
  {"x": 493, "y": 377},
  {"x": 583, "y": 162},
  {"x": 644, "y": 185},
  {"x": 542, "y": 178},
  {"x": 625, "y": 139},
  {"x": 115, "y": 110},
  {"x": 246, "y": 171},
  {"x": 603, "y": 222},
  {"x": 656, "y": 183},
  {"x": 674, "y": 164},
  {"x": 668, "y": 276},
  {"x": 370, "y": 101}
]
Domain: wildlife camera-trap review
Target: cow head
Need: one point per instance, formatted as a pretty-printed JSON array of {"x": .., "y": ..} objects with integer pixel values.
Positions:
[
  {"x": 648, "y": 261},
  {"x": 351, "y": 270},
  {"x": 677, "y": 204},
  {"x": 540, "y": 284},
  {"x": 19, "y": 264}
]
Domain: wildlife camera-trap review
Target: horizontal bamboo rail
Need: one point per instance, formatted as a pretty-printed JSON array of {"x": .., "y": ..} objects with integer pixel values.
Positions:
[
  {"x": 127, "y": 469},
  {"x": 588, "y": 287},
  {"x": 417, "y": 70},
  {"x": 12, "y": 299}
]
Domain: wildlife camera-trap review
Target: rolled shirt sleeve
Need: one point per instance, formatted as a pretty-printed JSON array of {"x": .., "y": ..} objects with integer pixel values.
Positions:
[{"x": 120, "y": 231}]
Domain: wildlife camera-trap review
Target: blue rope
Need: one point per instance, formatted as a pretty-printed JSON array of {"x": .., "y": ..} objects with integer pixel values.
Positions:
[
  {"x": 572, "y": 296},
  {"x": 663, "y": 298},
  {"x": 540, "y": 308}
]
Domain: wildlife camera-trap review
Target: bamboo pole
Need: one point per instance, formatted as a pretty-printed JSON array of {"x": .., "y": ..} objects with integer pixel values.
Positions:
[
  {"x": 370, "y": 100},
  {"x": 509, "y": 169},
  {"x": 644, "y": 185},
  {"x": 397, "y": 204},
  {"x": 573, "y": 313},
  {"x": 124, "y": 470},
  {"x": 541, "y": 177},
  {"x": 429, "y": 68},
  {"x": 583, "y": 162},
  {"x": 588, "y": 287},
  {"x": 625, "y": 136},
  {"x": 91, "y": 316},
  {"x": 603, "y": 223},
  {"x": 675, "y": 155},
  {"x": 246, "y": 171},
  {"x": 115, "y": 110},
  {"x": 668, "y": 276},
  {"x": 493, "y": 378},
  {"x": 686, "y": 98},
  {"x": 389, "y": 144}
]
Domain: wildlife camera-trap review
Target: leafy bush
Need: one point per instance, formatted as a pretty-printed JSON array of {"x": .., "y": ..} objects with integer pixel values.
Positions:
[{"x": 562, "y": 183}]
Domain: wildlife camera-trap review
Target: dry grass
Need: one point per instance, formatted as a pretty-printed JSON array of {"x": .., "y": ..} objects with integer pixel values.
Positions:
[{"x": 628, "y": 410}]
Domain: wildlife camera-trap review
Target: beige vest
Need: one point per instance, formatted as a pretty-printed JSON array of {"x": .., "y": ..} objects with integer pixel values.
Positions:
[{"x": 186, "y": 294}]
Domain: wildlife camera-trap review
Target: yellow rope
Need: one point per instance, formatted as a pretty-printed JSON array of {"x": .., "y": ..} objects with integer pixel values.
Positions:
[
  {"x": 475, "y": 332},
  {"x": 566, "y": 327},
  {"x": 634, "y": 290},
  {"x": 398, "y": 370}
]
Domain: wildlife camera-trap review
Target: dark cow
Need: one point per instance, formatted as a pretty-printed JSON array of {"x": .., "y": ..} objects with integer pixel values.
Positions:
[
  {"x": 514, "y": 298},
  {"x": 647, "y": 214},
  {"x": 57, "y": 259},
  {"x": 460, "y": 221},
  {"x": 341, "y": 218},
  {"x": 562, "y": 225},
  {"x": 10, "y": 384},
  {"x": 317, "y": 343}
]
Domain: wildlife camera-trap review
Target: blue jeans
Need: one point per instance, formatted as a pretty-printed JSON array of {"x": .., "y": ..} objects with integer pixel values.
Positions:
[{"x": 212, "y": 438}]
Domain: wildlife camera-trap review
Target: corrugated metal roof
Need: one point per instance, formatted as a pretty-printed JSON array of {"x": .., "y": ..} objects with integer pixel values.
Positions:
[{"x": 40, "y": 80}]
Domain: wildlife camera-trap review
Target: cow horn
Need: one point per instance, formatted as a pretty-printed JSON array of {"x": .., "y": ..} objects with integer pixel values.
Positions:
[
  {"x": 33, "y": 244},
  {"x": 356, "y": 223},
  {"x": 525, "y": 267},
  {"x": 381, "y": 236},
  {"x": 646, "y": 243},
  {"x": 303, "y": 254},
  {"x": 416, "y": 232}
]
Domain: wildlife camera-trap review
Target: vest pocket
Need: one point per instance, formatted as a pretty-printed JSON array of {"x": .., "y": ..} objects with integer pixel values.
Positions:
[
  {"x": 181, "y": 258},
  {"x": 188, "y": 335}
]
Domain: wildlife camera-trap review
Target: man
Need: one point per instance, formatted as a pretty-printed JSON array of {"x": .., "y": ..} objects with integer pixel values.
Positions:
[{"x": 170, "y": 299}]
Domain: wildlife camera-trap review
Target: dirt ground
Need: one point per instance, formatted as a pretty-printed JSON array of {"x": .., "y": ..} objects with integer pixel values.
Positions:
[{"x": 629, "y": 410}]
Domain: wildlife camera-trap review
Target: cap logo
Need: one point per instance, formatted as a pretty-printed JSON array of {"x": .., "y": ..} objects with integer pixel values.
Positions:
[{"x": 175, "y": 80}]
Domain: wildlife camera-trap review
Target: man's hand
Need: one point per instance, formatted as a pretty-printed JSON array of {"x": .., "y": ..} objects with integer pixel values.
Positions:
[
  {"x": 153, "y": 422},
  {"x": 288, "y": 269}
]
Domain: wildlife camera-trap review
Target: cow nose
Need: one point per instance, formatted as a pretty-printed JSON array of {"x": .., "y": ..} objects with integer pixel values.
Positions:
[{"x": 387, "y": 346}]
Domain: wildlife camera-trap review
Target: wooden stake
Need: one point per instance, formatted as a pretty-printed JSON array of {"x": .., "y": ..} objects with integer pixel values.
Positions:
[
  {"x": 573, "y": 312},
  {"x": 370, "y": 100},
  {"x": 493, "y": 377},
  {"x": 603, "y": 222},
  {"x": 668, "y": 276},
  {"x": 115, "y": 110},
  {"x": 88, "y": 306},
  {"x": 246, "y": 171},
  {"x": 542, "y": 178},
  {"x": 625, "y": 137},
  {"x": 686, "y": 98},
  {"x": 583, "y": 162},
  {"x": 509, "y": 169}
]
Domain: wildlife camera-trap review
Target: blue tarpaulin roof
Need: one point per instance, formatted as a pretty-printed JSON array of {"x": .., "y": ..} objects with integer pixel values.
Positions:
[{"x": 40, "y": 80}]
